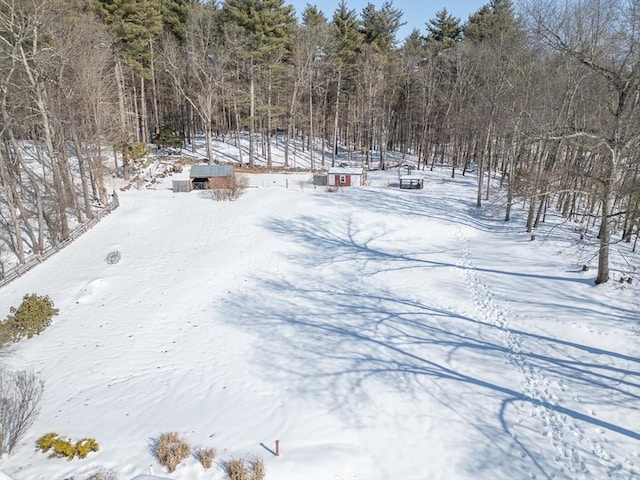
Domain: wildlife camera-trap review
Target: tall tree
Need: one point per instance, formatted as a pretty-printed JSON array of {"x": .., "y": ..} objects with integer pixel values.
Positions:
[
  {"x": 199, "y": 76},
  {"x": 444, "y": 29},
  {"x": 494, "y": 20},
  {"x": 307, "y": 59},
  {"x": 174, "y": 15},
  {"x": 135, "y": 23},
  {"x": 268, "y": 26},
  {"x": 347, "y": 41},
  {"x": 380, "y": 26},
  {"x": 601, "y": 36}
]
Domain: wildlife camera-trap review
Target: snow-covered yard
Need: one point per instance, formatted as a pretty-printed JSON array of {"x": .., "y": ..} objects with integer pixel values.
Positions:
[{"x": 376, "y": 333}]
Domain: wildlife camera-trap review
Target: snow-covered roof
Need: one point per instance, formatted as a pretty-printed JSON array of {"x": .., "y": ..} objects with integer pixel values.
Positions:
[
  {"x": 346, "y": 171},
  {"x": 411, "y": 177},
  {"x": 206, "y": 171}
]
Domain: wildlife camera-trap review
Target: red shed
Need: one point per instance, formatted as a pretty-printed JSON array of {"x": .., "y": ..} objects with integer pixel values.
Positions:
[{"x": 346, "y": 176}]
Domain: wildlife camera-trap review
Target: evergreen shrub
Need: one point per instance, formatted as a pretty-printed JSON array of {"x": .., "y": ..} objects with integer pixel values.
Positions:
[
  {"x": 31, "y": 318},
  {"x": 65, "y": 448}
]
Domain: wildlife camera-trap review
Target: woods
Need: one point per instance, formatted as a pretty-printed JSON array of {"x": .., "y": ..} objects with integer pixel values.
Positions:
[{"x": 540, "y": 95}]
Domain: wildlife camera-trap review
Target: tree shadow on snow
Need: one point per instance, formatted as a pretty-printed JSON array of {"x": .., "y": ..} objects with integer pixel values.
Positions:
[{"x": 337, "y": 334}]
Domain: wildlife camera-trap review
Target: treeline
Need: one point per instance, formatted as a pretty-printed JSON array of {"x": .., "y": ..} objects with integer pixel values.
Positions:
[{"x": 542, "y": 94}]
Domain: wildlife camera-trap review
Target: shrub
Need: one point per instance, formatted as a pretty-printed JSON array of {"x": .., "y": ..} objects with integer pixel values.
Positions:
[
  {"x": 6, "y": 334},
  {"x": 171, "y": 450},
  {"x": 167, "y": 137},
  {"x": 65, "y": 448},
  {"x": 102, "y": 474},
  {"x": 240, "y": 470},
  {"x": 86, "y": 446},
  {"x": 258, "y": 470},
  {"x": 206, "y": 456},
  {"x": 20, "y": 396},
  {"x": 237, "y": 186},
  {"x": 32, "y": 316},
  {"x": 60, "y": 448}
]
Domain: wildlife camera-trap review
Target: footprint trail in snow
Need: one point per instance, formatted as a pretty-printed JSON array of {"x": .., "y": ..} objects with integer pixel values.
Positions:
[{"x": 572, "y": 447}]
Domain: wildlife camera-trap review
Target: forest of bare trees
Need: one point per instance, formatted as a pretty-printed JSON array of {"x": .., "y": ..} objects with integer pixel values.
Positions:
[{"x": 541, "y": 95}]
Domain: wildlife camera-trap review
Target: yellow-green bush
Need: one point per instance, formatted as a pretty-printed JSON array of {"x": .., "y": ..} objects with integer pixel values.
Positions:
[
  {"x": 32, "y": 316},
  {"x": 65, "y": 448},
  {"x": 86, "y": 446}
]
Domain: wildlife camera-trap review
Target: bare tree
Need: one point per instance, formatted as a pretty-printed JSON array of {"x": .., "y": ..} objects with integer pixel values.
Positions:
[
  {"x": 198, "y": 71},
  {"x": 602, "y": 36},
  {"x": 20, "y": 397}
]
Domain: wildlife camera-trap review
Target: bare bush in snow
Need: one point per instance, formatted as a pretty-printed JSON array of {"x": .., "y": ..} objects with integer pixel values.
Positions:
[
  {"x": 171, "y": 450},
  {"x": 20, "y": 397}
]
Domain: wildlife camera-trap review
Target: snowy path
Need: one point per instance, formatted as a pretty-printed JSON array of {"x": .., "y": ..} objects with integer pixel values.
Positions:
[{"x": 541, "y": 397}]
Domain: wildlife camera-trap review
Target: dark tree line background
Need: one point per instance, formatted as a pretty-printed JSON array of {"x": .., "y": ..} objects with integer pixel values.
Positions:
[{"x": 541, "y": 94}]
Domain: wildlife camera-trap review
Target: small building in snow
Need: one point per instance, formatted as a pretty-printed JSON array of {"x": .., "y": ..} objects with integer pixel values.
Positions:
[
  {"x": 212, "y": 177},
  {"x": 346, "y": 176},
  {"x": 411, "y": 181}
]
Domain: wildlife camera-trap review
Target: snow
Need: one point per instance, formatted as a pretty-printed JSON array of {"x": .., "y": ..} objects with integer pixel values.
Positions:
[
  {"x": 345, "y": 171},
  {"x": 376, "y": 333}
]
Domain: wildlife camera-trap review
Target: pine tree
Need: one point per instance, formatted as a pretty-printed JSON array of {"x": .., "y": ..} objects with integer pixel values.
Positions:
[
  {"x": 268, "y": 25},
  {"x": 174, "y": 16},
  {"x": 380, "y": 26},
  {"x": 313, "y": 17},
  {"x": 445, "y": 29},
  {"x": 346, "y": 34},
  {"x": 135, "y": 24},
  {"x": 495, "y": 20}
]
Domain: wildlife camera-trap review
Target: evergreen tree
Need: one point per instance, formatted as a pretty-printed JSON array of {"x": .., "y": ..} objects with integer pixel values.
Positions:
[
  {"x": 174, "y": 16},
  {"x": 135, "y": 24},
  {"x": 478, "y": 27},
  {"x": 445, "y": 29},
  {"x": 268, "y": 25},
  {"x": 379, "y": 27},
  {"x": 313, "y": 17},
  {"x": 494, "y": 20},
  {"x": 346, "y": 34}
]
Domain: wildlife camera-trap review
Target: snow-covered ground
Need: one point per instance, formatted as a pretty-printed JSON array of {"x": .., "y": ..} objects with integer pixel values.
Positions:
[{"x": 376, "y": 333}]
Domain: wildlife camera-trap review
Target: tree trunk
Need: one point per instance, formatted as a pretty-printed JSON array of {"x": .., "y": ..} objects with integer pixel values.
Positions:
[
  {"x": 144, "y": 120},
  {"x": 605, "y": 227},
  {"x": 120, "y": 89},
  {"x": 17, "y": 239},
  {"x": 252, "y": 123},
  {"x": 154, "y": 92},
  {"x": 335, "y": 122},
  {"x": 43, "y": 111},
  {"x": 311, "y": 133},
  {"x": 238, "y": 139}
]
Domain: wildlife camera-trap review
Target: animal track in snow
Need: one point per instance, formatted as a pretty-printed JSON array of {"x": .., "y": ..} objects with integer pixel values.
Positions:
[{"x": 541, "y": 393}]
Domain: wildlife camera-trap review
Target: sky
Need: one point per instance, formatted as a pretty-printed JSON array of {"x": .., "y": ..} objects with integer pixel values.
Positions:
[
  {"x": 416, "y": 13},
  {"x": 376, "y": 333}
]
